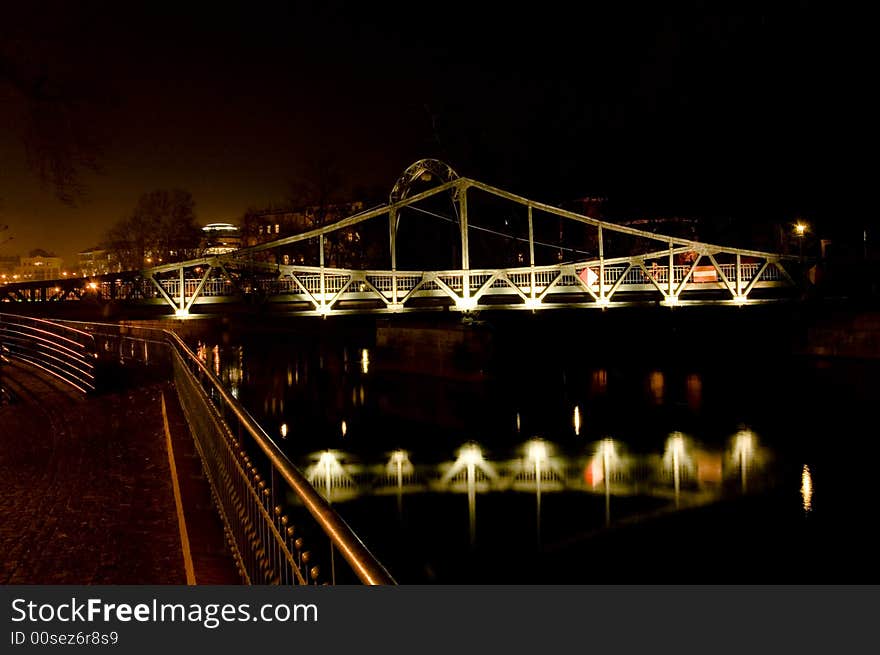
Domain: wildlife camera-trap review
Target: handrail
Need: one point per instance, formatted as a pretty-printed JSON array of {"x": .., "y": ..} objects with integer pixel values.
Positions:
[
  {"x": 64, "y": 352},
  {"x": 363, "y": 563}
]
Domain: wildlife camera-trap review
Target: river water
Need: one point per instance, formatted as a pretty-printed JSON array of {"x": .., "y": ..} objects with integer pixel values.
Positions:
[{"x": 639, "y": 447}]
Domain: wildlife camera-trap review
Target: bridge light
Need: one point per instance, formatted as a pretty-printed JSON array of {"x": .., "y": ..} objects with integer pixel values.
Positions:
[
  {"x": 670, "y": 301},
  {"x": 800, "y": 229},
  {"x": 465, "y": 304},
  {"x": 604, "y": 301},
  {"x": 181, "y": 313},
  {"x": 741, "y": 300},
  {"x": 533, "y": 303},
  {"x": 399, "y": 457},
  {"x": 536, "y": 450},
  {"x": 470, "y": 454}
]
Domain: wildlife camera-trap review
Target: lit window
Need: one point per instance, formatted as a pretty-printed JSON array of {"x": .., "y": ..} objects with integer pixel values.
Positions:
[{"x": 277, "y": 228}]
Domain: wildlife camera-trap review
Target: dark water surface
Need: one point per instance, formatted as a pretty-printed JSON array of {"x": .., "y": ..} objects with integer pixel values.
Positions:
[{"x": 549, "y": 448}]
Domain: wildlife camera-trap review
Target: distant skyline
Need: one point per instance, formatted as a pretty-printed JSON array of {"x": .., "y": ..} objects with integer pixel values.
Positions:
[{"x": 665, "y": 113}]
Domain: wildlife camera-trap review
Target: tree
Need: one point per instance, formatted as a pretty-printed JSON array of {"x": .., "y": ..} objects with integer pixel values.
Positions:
[
  {"x": 51, "y": 104},
  {"x": 320, "y": 188},
  {"x": 161, "y": 228}
]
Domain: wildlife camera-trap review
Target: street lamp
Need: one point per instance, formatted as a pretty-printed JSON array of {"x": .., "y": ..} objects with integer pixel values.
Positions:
[{"x": 800, "y": 230}]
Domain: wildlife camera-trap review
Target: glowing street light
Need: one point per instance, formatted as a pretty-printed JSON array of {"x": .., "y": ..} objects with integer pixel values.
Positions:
[
  {"x": 800, "y": 230},
  {"x": 284, "y": 430},
  {"x": 577, "y": 421}
]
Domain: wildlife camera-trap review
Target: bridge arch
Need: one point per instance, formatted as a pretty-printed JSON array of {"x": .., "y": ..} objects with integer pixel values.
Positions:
[
  {"x": 438, "y": 173},
  {"x": 418, "y": 171}
]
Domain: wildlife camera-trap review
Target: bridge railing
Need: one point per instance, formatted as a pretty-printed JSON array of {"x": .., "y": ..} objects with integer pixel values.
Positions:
[
  {"x": 277, "y": 525},
  {"x": 66, "y": 353}
]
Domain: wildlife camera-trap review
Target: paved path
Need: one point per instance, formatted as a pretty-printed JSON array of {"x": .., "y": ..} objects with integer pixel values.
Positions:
[{"x": 85, "y": 487}]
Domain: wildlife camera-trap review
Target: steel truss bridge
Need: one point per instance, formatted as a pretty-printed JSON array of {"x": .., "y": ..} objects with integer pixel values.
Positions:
[{"x": 604, "y": 265}]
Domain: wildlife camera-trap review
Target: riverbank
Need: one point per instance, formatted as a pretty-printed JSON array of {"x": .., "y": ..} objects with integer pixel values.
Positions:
[{"x": 86, "y": 493}]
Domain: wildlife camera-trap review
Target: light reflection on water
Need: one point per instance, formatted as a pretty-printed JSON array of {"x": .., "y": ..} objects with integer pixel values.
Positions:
[
  {"x": 683, "y": 466},
  {"x": 807, "y": 488},
  {"x": 361, "y": 433}
]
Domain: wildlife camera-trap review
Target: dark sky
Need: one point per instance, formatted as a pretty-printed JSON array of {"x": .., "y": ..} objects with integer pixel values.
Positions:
[{"x": 676, "y": 110}]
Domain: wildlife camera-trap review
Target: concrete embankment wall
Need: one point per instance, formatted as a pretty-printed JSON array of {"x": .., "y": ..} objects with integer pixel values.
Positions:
[
  {"x": 845, "y": 334},
  {"x": 448, "y": 350}
]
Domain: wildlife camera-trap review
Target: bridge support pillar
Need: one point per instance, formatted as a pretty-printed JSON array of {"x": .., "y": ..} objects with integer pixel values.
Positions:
[
  {"x": 738, "y": 276},
  {"x": 182, "y": 293},
  {"x": 465, "y": 254},
  {"x": 392, "y": 236},
  {"x": 531, "y": 257},
  {"x": 601, "y": 267},
  {"x": 323, "y": 308}
]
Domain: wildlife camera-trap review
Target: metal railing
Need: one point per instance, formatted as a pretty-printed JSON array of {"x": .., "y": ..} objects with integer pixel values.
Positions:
[
  {"x": 277, "y": 525},
  {"x": 66, "y": 353}
]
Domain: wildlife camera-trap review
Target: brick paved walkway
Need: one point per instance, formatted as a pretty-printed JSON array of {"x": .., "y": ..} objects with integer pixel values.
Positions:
[{"x": 85, "y": 488}]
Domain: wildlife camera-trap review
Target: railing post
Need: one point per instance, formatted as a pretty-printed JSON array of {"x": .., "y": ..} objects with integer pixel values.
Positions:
[
  {"x": 532, "y": 253},
  {"x": 671, "y": 271}
]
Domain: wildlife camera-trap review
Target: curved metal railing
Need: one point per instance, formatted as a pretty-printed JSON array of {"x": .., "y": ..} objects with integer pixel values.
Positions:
[
  {"x": 64, "y": 352},
  {"x": 276, "y": 523}
]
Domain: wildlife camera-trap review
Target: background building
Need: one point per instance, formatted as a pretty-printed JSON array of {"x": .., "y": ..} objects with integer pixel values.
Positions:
[
  {"x": 266, "y": 225},
  {"x": 95, "y": 261},
  {"x": 40, "y": 265},
  {"x": 8, "y": 267},
  {"x": 220, "y": 238}
]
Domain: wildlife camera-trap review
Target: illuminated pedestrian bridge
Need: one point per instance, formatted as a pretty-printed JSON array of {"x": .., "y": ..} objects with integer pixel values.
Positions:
[{"x": 448, "y": 242}]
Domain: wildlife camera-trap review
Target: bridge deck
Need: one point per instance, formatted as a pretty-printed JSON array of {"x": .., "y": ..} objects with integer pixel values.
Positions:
[{"x": 86, "y": 491}]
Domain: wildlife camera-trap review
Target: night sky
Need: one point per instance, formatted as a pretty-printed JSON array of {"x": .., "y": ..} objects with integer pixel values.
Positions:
[{"x": 686, "y": 111}]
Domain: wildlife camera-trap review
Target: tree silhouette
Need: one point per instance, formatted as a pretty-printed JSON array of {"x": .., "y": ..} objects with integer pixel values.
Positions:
[
  {"x": 50, "y": 104},
  {"x": 162, "y": 227}
]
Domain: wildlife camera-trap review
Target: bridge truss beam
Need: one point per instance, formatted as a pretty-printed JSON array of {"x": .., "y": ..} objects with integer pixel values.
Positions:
[{"x": 705, "y": 274}]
